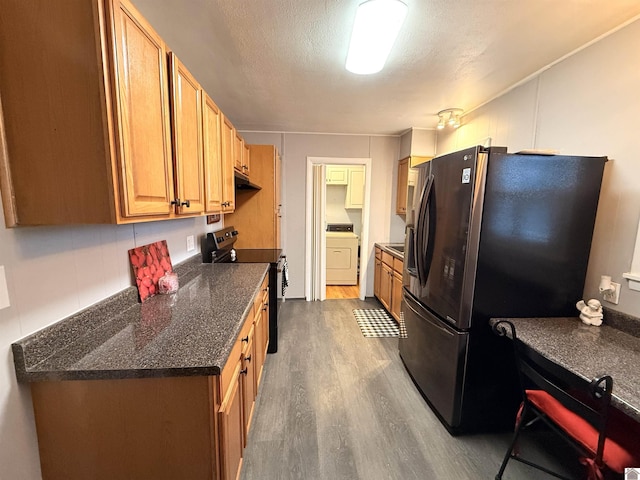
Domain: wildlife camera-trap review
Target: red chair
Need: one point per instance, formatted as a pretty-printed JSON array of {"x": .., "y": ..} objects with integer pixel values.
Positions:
[{"x": 576, "y": 409}]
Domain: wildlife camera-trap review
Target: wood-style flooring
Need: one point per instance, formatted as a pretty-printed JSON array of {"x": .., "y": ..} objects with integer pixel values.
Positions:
[
  {"x": 342, "y": 291},
  {"x": 336, "y": 405}
]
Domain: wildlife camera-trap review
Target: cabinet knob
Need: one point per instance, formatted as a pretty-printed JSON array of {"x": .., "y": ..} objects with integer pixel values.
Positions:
[
  {"x": 245, "y": 339},
  {"x": 248, "y": 358},
  {"x": 175, "y": 202},
  {"x": 244, "y": 371},
  {"x": 186, "y": 203}
]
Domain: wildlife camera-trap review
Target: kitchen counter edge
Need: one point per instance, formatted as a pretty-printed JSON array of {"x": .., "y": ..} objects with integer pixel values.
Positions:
[{"x": 188, "y": 333}]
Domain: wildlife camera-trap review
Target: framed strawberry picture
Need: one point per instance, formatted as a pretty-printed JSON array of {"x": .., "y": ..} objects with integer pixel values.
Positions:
[{"x": 150, "y": 263}]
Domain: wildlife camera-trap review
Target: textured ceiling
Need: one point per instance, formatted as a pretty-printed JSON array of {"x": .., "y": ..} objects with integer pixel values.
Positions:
[{"x": 278, "y": 65}]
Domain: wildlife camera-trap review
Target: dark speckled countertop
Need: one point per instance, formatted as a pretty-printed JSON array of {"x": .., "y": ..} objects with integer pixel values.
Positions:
[
  {"x": 589, "y": 351},
  {"x": 190, "y": 332}
]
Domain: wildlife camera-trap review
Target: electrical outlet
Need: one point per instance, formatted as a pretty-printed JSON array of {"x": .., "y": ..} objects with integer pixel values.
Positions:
[
  {"x": 191, "y": 244},
  {"x": 614, "y": 295}
]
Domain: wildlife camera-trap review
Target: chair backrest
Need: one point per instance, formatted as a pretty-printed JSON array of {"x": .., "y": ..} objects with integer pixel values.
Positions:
[{"x": 588, "y": 399}]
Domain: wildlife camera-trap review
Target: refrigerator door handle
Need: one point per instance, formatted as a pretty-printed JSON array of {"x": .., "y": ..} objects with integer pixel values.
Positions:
[{"x": 420, "y": 231}]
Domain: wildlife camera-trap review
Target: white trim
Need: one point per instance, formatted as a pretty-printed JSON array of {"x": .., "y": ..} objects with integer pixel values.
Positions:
[
  {"x": 633, "y": 276},
  {"x": 364, "y": 235}
]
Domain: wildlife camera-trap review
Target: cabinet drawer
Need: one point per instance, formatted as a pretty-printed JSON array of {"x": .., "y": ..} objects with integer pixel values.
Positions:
[
  {"x": 397, "y": 265},
  {"x": 378, "y": 253},
  {"x": 238, "y": 347},
  {"x": 387, "y": 258}
]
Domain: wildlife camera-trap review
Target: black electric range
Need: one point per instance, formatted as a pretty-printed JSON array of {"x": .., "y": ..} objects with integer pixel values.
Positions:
[{"x": 218, "y": 247}]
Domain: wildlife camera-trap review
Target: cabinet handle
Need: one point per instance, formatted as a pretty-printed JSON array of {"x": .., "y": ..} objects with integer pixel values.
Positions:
[
  {"x": 186, "y": 203},
  {"x": 248, "y": 358},
  {"x": 244, "y": 371},
  {"x": 245, "y": 339},
  {"x": 175, "y": 202}
]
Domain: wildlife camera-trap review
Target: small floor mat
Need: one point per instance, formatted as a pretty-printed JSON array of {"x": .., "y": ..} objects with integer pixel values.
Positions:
[{"x": 376, "y": 322}]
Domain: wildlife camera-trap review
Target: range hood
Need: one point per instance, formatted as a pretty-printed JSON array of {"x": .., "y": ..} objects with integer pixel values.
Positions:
[{"x": 243, "y": 182}]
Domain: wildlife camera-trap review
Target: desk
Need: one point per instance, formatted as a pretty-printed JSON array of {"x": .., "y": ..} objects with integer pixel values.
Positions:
[{"x": 589, "y": 352}]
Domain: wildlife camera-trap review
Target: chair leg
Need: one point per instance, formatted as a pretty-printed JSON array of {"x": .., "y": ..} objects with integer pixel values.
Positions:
[{"x": 522, "y": 415}]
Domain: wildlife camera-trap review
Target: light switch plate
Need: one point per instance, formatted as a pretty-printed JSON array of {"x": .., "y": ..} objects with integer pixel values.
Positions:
[
  {"x": 191, "y": 245},
  {"x": 4, "y": 291}
]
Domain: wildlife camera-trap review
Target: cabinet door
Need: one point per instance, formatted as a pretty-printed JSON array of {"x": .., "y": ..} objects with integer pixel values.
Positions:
[
  {"x": 385, "y": 286},
  {"x": 246, "y": 159},
  {"x": 212, "y": 156},
  {"x": 248, "y": 374},
  {"x": 238, "y": 151},
  {"x": 231, "y": 427},
  {"x": 336, "y": 175},
  {"x": 278, "y": 198},
  {"x": 377, "y": 276},
  {"x": 186, "y": 96},
  {"x": 396, "y": 294},
  {"x": 355, "y": 188},
  {"x": 228, "y": 136},
  {"x": 142, "y": 106},
  {"x": 401, "y": 192}
]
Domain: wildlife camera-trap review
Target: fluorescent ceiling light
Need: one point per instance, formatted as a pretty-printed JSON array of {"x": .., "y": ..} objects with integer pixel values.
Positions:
[{"x": 374, "y": 32}]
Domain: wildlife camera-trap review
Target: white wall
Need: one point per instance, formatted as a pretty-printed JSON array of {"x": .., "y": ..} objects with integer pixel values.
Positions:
[
  {"x": 51, "y": 273},
  {"x": 385, "y": 225},
  {"x": 587, "y": 104},
  {"x": 336, "y": 212}
]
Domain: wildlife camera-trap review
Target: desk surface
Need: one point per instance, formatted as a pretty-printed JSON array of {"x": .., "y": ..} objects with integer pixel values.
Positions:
[{"x": 589, "y": 351}]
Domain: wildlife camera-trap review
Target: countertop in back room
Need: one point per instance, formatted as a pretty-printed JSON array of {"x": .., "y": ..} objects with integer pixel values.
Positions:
[{"x": 187, "y": 333}]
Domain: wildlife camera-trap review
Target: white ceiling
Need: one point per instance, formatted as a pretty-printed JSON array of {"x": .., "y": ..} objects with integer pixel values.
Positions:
[{"x": 278, "y": 65}]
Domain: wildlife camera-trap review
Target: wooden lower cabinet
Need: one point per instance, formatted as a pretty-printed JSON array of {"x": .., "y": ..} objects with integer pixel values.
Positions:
[
  {"x": 165, "y": 428},
  {"x": 377, "y": 274},
  {"x": 232, "y": 427},
  {"x": 396, "y": 294},
  {"x": 148, "y": 428},
  {"x": 385, "y": 286},
  {"x": 387, "y": 282}
]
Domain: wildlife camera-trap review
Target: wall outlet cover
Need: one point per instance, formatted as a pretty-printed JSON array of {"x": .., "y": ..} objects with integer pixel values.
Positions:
[
  {"x": 191, "y": 244},
  {"x": 614, "y": 296}
]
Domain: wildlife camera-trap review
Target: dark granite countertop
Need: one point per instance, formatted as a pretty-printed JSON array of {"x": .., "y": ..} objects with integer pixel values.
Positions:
[
  {"x": 387, "y": 247},
  {"x": 589, "y": 352},
  {"x": 190, "y": 332}
]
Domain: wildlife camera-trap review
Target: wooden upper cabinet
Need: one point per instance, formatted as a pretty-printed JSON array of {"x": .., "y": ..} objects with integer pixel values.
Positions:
[
  {"x": 246, "y": 159},
  {"x": 401, "y": 192},
  {"x": 144, "y": 156},
  {"x": 228, "y": 136},
  {"x": 238, "y": 151},
  {"x": 186, "y": 106},
  {"x": 257, "y": 213},
  {"x": 86, "y": 134},
  {"x": 212, "y": 155}
]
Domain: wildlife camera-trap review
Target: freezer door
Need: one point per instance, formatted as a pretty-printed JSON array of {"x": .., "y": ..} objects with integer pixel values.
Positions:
[{"x": 435, "y": 357}]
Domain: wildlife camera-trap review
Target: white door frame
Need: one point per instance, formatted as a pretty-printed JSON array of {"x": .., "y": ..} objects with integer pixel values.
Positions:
[{"x": 364, "y": 236}]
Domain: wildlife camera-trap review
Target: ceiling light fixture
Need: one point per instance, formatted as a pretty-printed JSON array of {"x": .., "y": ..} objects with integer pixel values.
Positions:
[
  {"x": 449, "y": 116},
  {"x": 374, "y": 31}
]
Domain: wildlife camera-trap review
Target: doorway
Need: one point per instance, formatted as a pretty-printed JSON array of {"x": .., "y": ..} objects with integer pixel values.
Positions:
[{"x": 320, "y": 210}]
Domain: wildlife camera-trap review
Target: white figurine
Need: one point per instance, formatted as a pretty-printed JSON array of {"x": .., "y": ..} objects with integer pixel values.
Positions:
[{"x": 590, "y": 312}]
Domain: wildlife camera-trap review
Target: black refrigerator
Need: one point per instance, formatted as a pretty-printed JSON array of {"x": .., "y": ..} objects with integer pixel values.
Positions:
[{"x": 491, "y": 234}]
